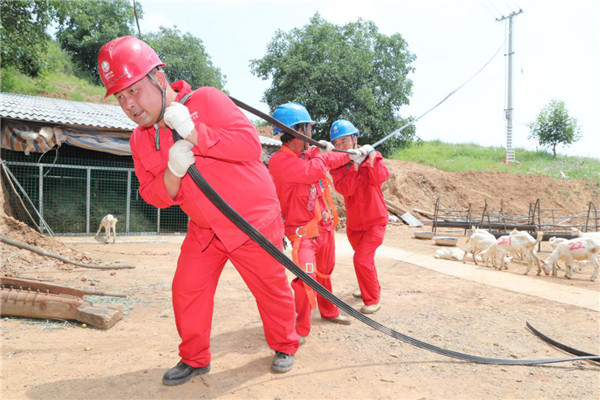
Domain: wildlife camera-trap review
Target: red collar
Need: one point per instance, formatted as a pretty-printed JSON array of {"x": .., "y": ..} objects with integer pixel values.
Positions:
[{"x": 288, "y": 150}]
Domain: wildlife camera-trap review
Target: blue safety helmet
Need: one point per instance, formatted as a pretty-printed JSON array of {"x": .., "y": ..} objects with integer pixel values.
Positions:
[
  {"x": 291, "y": 114},
  {"x": 341, "y": 128}
]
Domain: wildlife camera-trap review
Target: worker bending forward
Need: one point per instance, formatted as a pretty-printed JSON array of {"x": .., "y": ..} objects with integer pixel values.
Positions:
[
  {"x": 223, "y": 145},
  {"x": 366, "y": 213},
  {"x": 300, "y": 176}
]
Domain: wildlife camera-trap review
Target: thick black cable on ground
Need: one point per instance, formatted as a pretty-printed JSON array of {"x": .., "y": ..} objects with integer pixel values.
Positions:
[
  {"x": 559, "y": 345},
  {"x": 270, "y": 248}
]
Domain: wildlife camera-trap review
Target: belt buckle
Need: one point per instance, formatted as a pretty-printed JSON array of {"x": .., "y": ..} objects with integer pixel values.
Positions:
[
  {"x": 306, "y": 269},
  {"x": 298, "y": 233}
]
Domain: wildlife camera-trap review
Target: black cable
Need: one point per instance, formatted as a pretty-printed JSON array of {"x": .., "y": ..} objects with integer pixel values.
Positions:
[
  {"x": 278, "y": 255},
  {"x": 559, "y": 345}
]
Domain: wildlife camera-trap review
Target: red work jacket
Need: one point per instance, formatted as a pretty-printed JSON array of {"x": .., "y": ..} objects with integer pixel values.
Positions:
[
  {"x": 227, "y": 155},
  {"x": 296, "y": 176},
  {"x": 361, "y": 189}
]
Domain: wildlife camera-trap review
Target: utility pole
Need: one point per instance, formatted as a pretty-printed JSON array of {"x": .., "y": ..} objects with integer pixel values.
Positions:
[
  {"x": 136, "y": 20},
  {"x": 510, "y": 151}
]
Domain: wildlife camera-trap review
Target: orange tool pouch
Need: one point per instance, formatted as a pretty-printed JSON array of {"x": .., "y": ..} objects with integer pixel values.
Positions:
[{"x": 327, "y": 190}]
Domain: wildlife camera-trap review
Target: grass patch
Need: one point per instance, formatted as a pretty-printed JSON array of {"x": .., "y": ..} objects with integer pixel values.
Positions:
[
  {"x": 471, "y": 157},
  {"x": 58, "y": 81},
  {"x": 70, "y": 87}
]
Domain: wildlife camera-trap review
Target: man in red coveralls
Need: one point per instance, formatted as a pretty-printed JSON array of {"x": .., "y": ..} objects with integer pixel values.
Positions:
[
  {"x": 299, "y": 173},
  {"x": 223, "y": 144},
  {"x": 366, "y": 213}
]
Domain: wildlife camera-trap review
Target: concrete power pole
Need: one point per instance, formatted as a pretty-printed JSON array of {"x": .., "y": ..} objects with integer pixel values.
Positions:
[{"x": 510, "y": 151}]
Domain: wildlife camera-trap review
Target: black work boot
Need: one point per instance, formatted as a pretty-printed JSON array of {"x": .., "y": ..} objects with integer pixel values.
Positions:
[
  {"x": 282, "y": 362},
  {"x": 181, "y": 373}
]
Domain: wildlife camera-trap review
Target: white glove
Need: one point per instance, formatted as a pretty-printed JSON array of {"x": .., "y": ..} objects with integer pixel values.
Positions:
[
  {"x": 177, "y": 116},
  {"x": 356, "y": 155},
  {"x": 367, "y": 149},
  {"x": 181, "y": 157},
  {"x": 328, "y": 147}
]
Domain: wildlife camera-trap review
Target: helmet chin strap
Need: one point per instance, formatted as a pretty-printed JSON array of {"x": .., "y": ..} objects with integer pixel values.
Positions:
[{"x": 162, "y": 111}]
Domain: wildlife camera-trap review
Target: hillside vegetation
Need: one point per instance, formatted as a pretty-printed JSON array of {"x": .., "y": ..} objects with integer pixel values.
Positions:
[
  {"x": 59, "y": 82},
  {"x": 471, "y": 157}
]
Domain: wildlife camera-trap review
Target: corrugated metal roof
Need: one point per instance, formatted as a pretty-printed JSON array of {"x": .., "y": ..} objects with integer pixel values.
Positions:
[
  {"x": 269, "y": 141},
  {"x": 58, "y": 111}
]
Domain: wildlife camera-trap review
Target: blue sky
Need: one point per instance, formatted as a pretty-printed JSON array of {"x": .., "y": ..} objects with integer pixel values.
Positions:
[{"x": 557, "y": 50}]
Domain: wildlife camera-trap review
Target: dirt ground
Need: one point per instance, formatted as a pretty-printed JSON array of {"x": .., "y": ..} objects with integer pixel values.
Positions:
[{"x": 62, "y": 360}]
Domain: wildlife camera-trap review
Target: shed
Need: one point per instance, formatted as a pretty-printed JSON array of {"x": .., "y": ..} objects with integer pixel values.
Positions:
[
  {"x": 88, "y": 174},
  {"x": 34, "y": 124}
]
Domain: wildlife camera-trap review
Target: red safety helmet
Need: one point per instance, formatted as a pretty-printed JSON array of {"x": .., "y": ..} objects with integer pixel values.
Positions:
[{"x": 124, "y": 61}]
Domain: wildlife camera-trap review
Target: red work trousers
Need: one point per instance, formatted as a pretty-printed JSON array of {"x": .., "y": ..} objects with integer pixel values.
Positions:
[
  {"x": 319, "y": 253},
  {"x": 365, "y": 243},
  {"x": 195, "y": 283}
]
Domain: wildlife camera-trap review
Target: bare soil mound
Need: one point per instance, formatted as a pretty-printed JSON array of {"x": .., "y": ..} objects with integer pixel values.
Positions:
[
  {"x": 14, "y": 261},
  {"x": 413, "y": 185}
]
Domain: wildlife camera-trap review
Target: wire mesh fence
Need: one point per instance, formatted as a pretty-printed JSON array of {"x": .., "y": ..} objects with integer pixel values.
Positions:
[{"x": 70, "y": 199}]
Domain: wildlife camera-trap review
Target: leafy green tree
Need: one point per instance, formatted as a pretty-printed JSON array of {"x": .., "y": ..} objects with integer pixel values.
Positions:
[
  {"x": 84, "y": 26},
  {"x": 23, "y": 35},
  {"x": 185, "y": 57},
  {"x": 553, "y": 126},
  {"x": 351, "y": 72}
]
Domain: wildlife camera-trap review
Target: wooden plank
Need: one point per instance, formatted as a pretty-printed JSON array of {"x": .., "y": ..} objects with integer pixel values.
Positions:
[
  {"x": 100, "y": 316},
  {"x": 393, "y": 208},
  {"x": 28, "y": 304},
  {"x": 26, "y": 284},
  {"x": 424, "y": 213}
]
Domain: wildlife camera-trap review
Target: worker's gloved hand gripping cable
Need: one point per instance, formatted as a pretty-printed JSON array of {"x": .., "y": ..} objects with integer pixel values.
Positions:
[{"x": 270, "y": 248}]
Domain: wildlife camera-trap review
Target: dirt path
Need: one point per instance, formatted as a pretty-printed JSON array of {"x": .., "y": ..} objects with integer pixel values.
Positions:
[{"x": 54, "y": 360}]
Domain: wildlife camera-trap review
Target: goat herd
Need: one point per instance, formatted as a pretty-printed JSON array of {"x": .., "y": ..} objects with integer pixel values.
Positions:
[{"x": 482, "y": 246}]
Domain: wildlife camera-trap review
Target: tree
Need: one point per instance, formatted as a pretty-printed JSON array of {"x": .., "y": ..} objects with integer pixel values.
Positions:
[
  {"x": 351, "y": 72},
  {"x": 85, "y": 26},
  {"x": 23, "y": 35},
  {"x": 185, "y": 57},
  {"x": 553, "y": 126}
]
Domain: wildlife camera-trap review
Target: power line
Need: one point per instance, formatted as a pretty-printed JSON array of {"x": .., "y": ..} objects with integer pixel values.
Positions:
[
  {"x": 488, "y": 10},
  {"x": 397, "y": 131},
  {"x": 498, "y": 11}
]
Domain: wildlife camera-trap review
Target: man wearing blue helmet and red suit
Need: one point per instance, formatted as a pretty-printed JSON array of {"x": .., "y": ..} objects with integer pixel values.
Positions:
[
  {"x": 300, "y": 176},
  {"x": 220, "y": 141},
  {"x": 366, "y": 213}
]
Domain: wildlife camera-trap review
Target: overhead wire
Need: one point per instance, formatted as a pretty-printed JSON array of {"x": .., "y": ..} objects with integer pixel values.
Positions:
[
  {"x": 397, "y": 131},
  {"x": 489, "y": 11}
]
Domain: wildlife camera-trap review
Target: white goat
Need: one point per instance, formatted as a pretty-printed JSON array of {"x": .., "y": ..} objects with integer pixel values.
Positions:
[
  {"x": 583, "y": 248},
  {"x": 109, "y": 222},
  {"x": 478, "y": 242},
  {"x": 492, "y": 253},
  {"x": 577, "y": 232},
  {"x": 554, "y": 241},
  {"x": 563, "y": 175},
  {"x": 453, "y": 254},
  {"x": 519, "y": 242}
]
